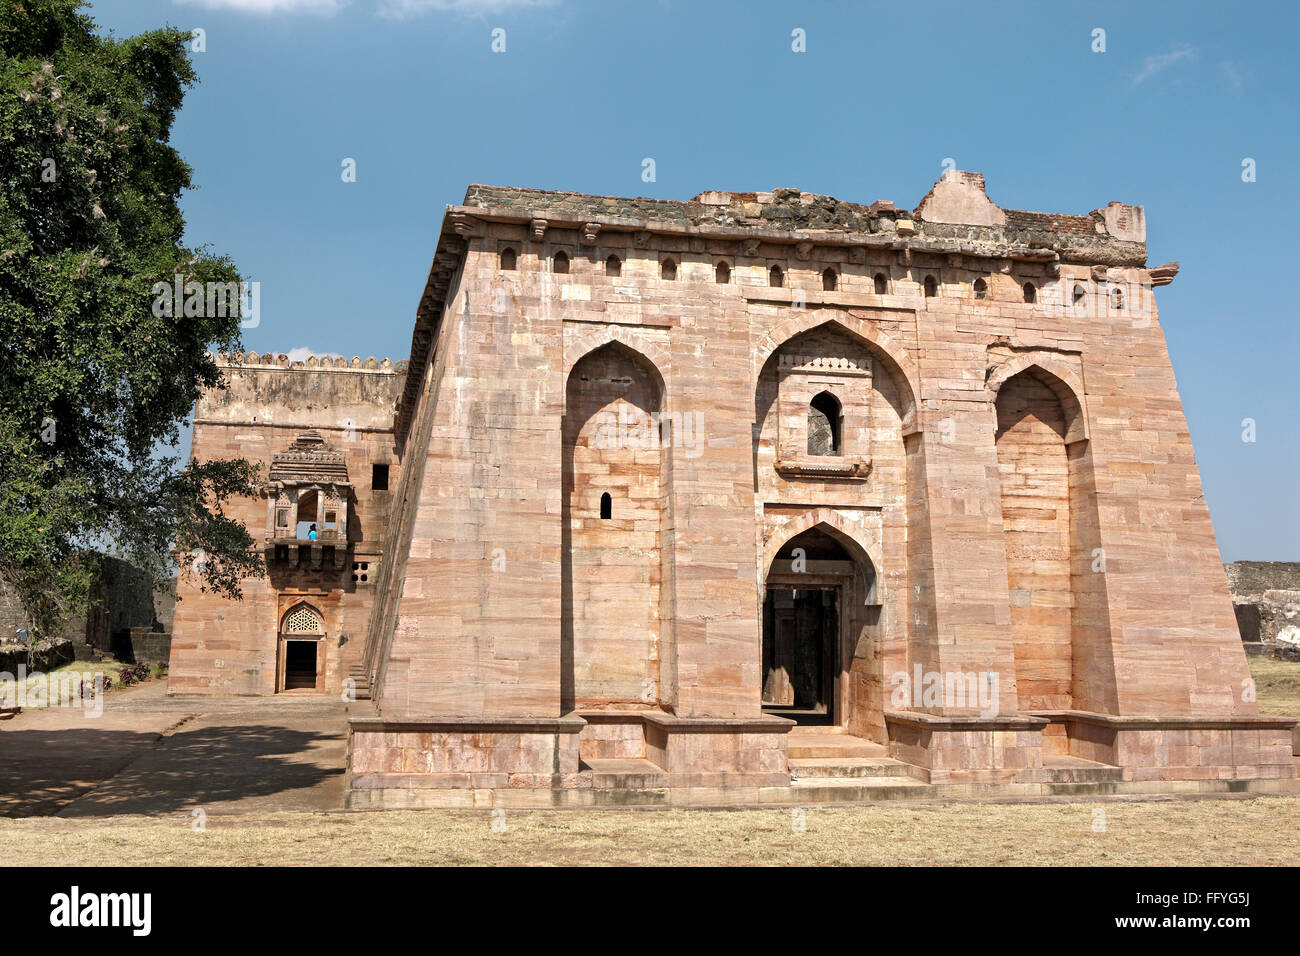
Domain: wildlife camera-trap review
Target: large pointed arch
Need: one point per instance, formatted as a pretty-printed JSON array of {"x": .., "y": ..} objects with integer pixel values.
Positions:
[
  {"x": 892, "y": 355},
  {"x": 644, "y": 348},
  {"x": 1057, "y": 375},
  {"x": 864, "y": 551}
]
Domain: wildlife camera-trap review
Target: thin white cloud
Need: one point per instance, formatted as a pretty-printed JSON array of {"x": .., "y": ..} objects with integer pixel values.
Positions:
[
  {"x": 326, "y": 7},
  {"x": 1153, "y": 65},
  {"x": 402, "y": 9},
  {"x": 302, "y": 352}
]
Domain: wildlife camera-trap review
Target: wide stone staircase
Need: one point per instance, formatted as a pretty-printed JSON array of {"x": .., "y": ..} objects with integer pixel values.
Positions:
[{"x": 825, "y": 761}]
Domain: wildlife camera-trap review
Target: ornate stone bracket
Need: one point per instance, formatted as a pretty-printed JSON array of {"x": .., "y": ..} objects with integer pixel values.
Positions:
[{"x": 840, "y": 469}]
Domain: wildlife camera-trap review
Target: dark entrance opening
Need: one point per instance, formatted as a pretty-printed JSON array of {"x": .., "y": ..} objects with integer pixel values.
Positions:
[
  {"x": 800, "y": 632},
  {"x": 299, "y": 665}
]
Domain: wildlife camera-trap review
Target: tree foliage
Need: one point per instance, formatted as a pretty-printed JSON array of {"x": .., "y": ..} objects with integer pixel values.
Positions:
[{"x": 94, "y": 386}]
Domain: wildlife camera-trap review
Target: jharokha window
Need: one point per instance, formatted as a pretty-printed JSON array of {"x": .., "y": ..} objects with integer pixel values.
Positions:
[{"x": 824, "y": 425}]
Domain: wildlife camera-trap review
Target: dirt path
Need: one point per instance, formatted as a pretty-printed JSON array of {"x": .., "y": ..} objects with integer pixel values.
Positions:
[{"x": 152, "y": 754}]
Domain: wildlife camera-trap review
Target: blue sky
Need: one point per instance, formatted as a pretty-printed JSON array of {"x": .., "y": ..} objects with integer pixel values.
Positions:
[{"x": 713, "y": 92}]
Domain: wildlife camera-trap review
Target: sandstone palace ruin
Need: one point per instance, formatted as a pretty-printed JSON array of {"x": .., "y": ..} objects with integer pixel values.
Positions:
[{"x": 753, "y": 495}]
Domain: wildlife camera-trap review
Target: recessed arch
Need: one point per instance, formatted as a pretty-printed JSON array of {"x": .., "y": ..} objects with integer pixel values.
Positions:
[
  {"x": 651, "y": 353},
  {"x": 1056, "y": 375},
  {"x": 302, "y": 618},
  {"x": 859, "y": 547},
  {"x": 892, "y": 356}
]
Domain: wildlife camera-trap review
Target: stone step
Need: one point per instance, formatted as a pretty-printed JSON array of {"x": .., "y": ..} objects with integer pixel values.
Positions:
[
  {"x": 629, "y": 774},
  {"x": 806, "y": 730},
  {"x": 837, "y": 789},
  {"x": 845, "y": 768},
  {"x": 832, "y": 746},
  {"x": 1063, "y": 769}
]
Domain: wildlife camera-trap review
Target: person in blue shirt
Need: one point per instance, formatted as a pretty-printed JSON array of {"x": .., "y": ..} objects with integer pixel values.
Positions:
[{"x": 311, "y": 532}]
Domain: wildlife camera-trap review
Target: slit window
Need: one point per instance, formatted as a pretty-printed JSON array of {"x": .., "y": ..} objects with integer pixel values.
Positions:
[
  {"x": 1117, "y": 299},
  {"x": 1031, "y": 293},
  {"x": 722, "y": 274},
  {"x": 1079, "y": 293},
  {"x": 981, "y": 289},
  {"x": 776, "y": 277},
  {"x": 931, "y": 287},
  {"x": 882, "y": 284},
  {"x": 561, "y": 263},
  {"x": 614, "y": 266},
  {"x": 606, "y": 506},
  {"x": 379, "y": 477},
  {"x": 508, "y": 260},
  {"x": 668, "y": 269},
  {"x": 830, "y": 281}
]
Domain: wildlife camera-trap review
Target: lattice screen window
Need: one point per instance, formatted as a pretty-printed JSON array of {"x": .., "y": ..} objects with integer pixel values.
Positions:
[{"x": 303, "y": 621}]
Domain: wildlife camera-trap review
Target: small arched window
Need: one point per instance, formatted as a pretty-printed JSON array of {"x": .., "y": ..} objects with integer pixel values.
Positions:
[
  {"x": 668, "y": 269},
  {"x": 722, "y": 274},
  {"x": 882, "y": 284},
  {"x": 931, "y": 287},
  {"x": 561, "y": 263},
  {"x": 1078, "y": 294},
  {"x": 606, "y": 506},
  {"x": 830, "y": 280},
  {"x": 613, "y": 266},
  {"x": 776, "y": 277},
  {"x": 1031, "y": 294},
  {"x": 824, "y": 425},
  {"x": 508, "y": 259},
  {"x": 1117, "y": 299},
  {"x": 981, "y": 289}
]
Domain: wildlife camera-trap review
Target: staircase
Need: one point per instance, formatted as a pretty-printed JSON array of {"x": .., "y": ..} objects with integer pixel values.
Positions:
[
  {"x": 829, "y": 758},
  {"x": 360, "y": 680}
]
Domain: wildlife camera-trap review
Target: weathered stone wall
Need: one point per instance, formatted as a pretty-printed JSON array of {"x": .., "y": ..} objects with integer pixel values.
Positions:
[
  {"x": 1266, "y": 598},
  {"x": 221, "y": 646},
  {"x": 1129, "y": 612},
  {"x": 1034, "y": 475}
]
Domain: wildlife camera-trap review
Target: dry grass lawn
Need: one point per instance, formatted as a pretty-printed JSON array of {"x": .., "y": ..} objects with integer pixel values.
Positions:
[
  {"x": 1220, "y": 832},
  {"x": 1277, "y": 686}
]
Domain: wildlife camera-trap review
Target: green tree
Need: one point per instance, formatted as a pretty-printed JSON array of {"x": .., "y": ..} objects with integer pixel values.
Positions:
[{"x": 95, "y": 384}]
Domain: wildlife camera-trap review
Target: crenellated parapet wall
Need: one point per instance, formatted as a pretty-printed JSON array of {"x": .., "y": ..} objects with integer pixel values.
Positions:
[{"x": 325, "y": 362}]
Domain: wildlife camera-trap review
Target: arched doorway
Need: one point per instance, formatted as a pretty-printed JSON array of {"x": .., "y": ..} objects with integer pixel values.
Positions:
[
  {"x": 818, "y": 602},
  {"x": 301, "y": 646}
]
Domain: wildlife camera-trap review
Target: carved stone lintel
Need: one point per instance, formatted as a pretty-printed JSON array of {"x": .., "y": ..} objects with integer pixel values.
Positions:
[
  {"x": 589, "y": 233},
  {"x": 642, "y": 239},
  {"x": 803, "y": 250},
  {"x": 750, "y": 247},
  {"x": 538, "y": 227}
]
